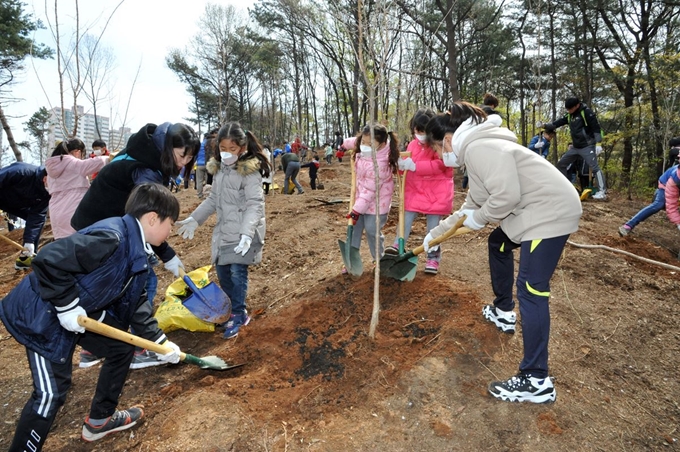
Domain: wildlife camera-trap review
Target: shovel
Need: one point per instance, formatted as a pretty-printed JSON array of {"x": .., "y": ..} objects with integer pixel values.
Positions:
[
  {"x": 207, "y": 362},
  {"x": 12, "y": 242},
  {"x": 208, "y": 303},
  {"x": 350, "y": 255},
  {"x": 402, "y": 186},
  {"x": 402, "y": 267}
]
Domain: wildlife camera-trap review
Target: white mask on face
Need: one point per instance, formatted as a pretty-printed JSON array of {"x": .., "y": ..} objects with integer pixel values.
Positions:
[
  {"x": 450, "y": 159},
  {"x": 365, "y": 150},
  {"x": 228, "y": 158},
  {"x": 421, "y": 138},
  {"x": 97, "y": 152}
]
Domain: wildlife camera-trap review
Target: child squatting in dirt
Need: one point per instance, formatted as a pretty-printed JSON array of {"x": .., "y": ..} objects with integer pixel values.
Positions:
[{"x": 101, "y": 272}]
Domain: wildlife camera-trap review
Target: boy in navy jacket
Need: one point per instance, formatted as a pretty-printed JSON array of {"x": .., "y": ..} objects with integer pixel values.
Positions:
[{"x": 100, "y": 272}]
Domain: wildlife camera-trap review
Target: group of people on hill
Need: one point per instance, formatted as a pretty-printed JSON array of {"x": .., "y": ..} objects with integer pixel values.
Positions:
[{"x": 111, "y": 231}]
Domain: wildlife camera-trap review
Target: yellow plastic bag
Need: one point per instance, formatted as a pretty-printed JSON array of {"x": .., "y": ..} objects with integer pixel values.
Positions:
[{"x": 172, "y": 315}]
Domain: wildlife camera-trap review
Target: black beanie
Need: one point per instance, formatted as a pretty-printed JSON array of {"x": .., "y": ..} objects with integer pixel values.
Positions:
[
  {"x": 571, "y": 102},
  {"x": 674, "y": 142}
]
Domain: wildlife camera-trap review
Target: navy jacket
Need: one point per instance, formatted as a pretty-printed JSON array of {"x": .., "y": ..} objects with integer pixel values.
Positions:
[
  {"x": 23, "y": 193},
  {"x": 104, "y": 265}
]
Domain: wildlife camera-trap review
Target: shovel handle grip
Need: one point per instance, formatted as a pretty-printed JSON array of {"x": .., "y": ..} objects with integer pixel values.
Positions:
[
  {"x": 114, "y": 333},
  {"x": 12, "y": 242},
  {"x": 436, "y": 241}
]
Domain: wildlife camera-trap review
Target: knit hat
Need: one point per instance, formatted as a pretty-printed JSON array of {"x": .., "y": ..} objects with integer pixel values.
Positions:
[
  {"x": 674, "y": 142},
  {"x": 571, "y": 102}
]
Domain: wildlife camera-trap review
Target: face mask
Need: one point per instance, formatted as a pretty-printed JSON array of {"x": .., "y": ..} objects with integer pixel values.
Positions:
[
  {"x": 97, "y": 152},
  {"x": 228, "y": 158},
  {"x": 450, "y": 159},
  {"x": 421, "y": 138},
  {"x": 365, "y": 150}
]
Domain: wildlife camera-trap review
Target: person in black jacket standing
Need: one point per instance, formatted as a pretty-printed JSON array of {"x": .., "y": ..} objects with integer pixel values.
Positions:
[
  {"x": 23, "y": 194},
  {"x": 155, "y": 154},
  {"x": 585, "y": 136}
]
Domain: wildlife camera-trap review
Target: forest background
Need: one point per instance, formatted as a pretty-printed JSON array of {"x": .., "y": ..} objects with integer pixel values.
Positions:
[{"x": 307, "y": 68}]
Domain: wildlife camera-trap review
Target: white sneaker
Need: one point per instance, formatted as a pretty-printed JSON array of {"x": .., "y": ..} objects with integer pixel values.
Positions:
[
  {"x": 600, "y": 195},
  {"x": 524, "y": 388},
  {"x": 504, "y": 320}
]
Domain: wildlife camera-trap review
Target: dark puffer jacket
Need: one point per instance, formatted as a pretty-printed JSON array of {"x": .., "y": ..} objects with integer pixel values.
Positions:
[
  {"x": 23, "y": 193},
  {"x": 138, "y": 163},
  {"x": 104, "y": 266},
  {"x": 583, "y": 125}
]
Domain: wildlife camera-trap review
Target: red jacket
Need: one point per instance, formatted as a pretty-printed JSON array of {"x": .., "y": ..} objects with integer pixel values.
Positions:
[{"x": 429, "y": 189}]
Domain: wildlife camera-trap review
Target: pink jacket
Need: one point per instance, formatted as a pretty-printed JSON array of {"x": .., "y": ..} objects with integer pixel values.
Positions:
[
  {"x": 67, "y": 183},
  {"x": 429, "y": 189},
  {"x": 366, "y": 189},
  {"x": 672, "y": 194}
]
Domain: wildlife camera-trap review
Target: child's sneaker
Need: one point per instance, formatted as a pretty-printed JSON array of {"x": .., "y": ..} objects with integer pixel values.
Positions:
[
  {"x": 625, "y": 230},
  {"x": 431, "y": 267},
  {"x": 600, "y": 195},
  {"x": 23, "y": 262},
  {"x": 87, "y": 359},
  {"x": 505, "y": 321},
  {"x": 392, "y": 250},
  {"x": 234, "y": 324},
  {"x": 524, "y": 388},
  {"x": 120, "y": 420},
  {"x": 344, "y": 270},
  {"x": 145, "y": 358}
]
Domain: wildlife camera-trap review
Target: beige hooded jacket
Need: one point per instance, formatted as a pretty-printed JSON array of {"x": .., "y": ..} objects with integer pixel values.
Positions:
[{"x": 513, "y": 186}]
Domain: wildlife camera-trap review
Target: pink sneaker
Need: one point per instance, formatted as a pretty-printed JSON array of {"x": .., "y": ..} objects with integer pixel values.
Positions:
[
  {"x": 344, "y": 270},
  {"x": 431, "y": 267}
]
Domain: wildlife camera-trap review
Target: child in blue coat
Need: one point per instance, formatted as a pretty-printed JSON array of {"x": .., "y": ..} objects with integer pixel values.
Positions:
[{"x": 99, "y": 272}]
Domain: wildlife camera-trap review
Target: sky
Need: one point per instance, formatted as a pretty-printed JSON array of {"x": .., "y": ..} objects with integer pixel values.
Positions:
[{"x": 140, "y": 32}]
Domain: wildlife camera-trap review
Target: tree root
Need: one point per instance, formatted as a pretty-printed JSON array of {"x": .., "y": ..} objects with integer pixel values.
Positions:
[{"x": 635, "y": 256}]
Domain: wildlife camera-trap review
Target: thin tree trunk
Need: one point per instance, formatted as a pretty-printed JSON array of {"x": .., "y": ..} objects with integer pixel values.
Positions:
[{"x": 10, "y": 135}]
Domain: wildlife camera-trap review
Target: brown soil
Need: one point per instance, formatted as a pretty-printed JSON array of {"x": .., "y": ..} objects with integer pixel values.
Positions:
[{"x": 314, "y": 380}]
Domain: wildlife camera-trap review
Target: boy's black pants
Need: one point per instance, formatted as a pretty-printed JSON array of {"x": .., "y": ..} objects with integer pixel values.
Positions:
[{"x": 52, "y": 381}]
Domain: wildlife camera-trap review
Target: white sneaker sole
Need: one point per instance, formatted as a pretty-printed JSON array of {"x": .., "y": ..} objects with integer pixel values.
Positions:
[{"x": 505, "y": 396}]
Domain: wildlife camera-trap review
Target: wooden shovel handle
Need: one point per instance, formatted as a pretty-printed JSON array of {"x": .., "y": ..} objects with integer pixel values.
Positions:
[
  {"x": 123, "y": 336},
  {"x": 444, "y": 236},
  {"x": 12, "y": 242},
  {"x": 353, "y": 188}
]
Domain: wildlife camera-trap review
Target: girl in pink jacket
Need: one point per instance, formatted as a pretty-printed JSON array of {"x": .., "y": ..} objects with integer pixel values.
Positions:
[
  {"x": 429, "y": 186},
  {"x": 386, "y": 151},
  {"x": 67, "y": 182}
]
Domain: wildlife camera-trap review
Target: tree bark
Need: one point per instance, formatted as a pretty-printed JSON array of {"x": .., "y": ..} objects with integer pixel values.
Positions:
[{"x": 10, "y": 136}]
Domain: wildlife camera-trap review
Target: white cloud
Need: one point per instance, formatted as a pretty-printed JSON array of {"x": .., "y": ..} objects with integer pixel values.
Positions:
[{"x": 140, "y": 32}]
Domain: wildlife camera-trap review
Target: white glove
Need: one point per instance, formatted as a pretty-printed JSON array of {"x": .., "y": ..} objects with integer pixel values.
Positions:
[
  {"x": 470, "y": 220},
  {"x": 69, "y": 319},
  {"x": 598, "y": 150},
  {"x": 171, "y": 357},
  {"x": 173, "y": 266},
  {"x": 30, "y": 248},
  {"x": 188, "y": 227},
  {"x": 407, "y": 164},
  {"x": 243, "y": 245},
  {"x": 426, "y": 243},
  {"x": 539, "y": 144}
]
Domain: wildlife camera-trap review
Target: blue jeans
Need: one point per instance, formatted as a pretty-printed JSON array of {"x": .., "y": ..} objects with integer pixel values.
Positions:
[
  {"x": 233, "y": 280},
  {"x": 659, "y": 203}
]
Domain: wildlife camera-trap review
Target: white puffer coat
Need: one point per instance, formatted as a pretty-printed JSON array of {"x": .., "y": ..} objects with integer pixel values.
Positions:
[{"x": 237, "y": 198}]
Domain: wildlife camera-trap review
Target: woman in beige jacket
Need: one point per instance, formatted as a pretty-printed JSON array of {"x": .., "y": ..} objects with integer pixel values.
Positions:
[{"x": 536, "y": 210}]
